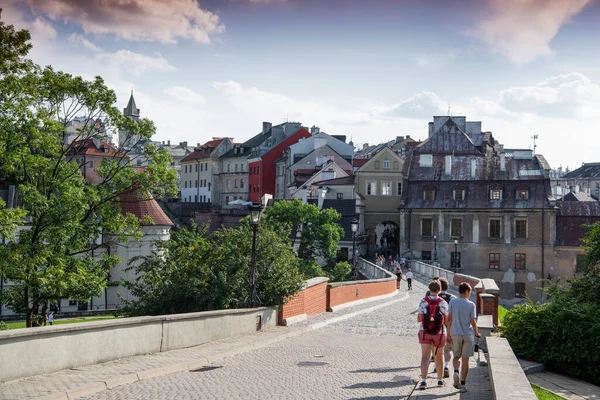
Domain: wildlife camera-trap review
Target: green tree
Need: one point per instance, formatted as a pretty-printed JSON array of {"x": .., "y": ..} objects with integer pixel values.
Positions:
[
  {"x": 194, "y": 272},
  {"x": 591, "y": 244},
  {"x": 59, "y": 253},
  {"x": 320, "y": 229},
  {"x": 341, "y": 271}
]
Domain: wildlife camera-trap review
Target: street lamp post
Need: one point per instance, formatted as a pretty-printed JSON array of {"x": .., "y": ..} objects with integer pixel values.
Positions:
[
  {"x": 455, "y": 255},
  {"x": 434, "y": 247},
  {"x": 255, "y": 212},
  {"x": 354, "y": 224}
]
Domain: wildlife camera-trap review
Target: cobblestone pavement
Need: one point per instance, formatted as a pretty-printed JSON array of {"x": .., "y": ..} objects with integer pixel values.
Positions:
[{"x": 371, "y": 356}]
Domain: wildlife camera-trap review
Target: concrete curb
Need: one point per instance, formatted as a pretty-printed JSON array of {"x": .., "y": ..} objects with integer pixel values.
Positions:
[
  {"x": 533, "y": 369},
  {"x": 112, "y": 383}
]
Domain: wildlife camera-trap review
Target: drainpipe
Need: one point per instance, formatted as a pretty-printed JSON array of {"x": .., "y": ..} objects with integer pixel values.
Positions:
[
  {"x": 198, "y": 185},
  {"x": 542, "y": 245}
]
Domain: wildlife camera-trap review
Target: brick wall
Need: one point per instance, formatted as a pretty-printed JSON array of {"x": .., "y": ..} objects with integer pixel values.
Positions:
[
  {"x": 309, "y": 301},
  {"x": 344, "y": 294}
]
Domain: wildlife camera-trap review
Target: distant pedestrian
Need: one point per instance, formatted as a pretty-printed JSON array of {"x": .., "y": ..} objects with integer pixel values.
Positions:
[
  {"x": 432, "y": 332},
  {"x": 398, "y": 272},
  {"x": 51, "y": 318},
  {"x": 462, "y": 326},
  {"x": 390, "y": 261},
  {"x": 409, "y": 278}
]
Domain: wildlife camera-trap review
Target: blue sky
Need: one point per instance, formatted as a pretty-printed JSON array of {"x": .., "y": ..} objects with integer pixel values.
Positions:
[{"x": 369, "y": 69}]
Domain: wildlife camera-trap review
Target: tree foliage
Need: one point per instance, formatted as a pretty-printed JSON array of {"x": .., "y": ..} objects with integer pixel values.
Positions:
[
  {"x": 320, "y": 231},
  {"x": 196, "y": 272},
  {"x": 58, "y": 254}
]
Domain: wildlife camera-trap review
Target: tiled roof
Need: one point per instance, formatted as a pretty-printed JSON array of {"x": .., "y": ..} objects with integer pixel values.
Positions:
[
  {"x": 578, "y": 208},
  {"x": 571, "y": 218},
  {"x": 135, "y": 203},
  {"x": 359, "y": 162},
  {"x": 203, "y": 151},
  {"x": 347, "y": 208},
  {"x": 579, "y": 196},
  {"x": 587, "y": 170},
  {"x": 87, "y": 147},
  {"x": 449, "y": 139},
  {"x": 345, "y": 180}
]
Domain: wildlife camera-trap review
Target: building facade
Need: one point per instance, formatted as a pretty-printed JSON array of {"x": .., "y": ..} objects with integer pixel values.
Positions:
[
  {"x": 380, "y": 182},
  {"x": 233, "y": 178},
  {"x": 476, "y": 207}
]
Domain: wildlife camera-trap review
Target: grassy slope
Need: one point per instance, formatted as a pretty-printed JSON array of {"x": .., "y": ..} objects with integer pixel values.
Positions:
[
  {"x": 21, "y": 324},
  {"x": 543, "y": 394}
]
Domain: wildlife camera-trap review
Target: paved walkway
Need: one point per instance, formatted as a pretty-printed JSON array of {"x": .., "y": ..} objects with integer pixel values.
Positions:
[
  {"x": 569, "y": 388},
  {"x": 364, "y": 352}
]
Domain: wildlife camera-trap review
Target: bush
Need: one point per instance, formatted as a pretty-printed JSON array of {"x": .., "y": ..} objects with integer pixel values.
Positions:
[
  {"x": 310, "y": 269},
  {"x": 3, "y": 326},
  {"x": 563, "y": 334},
  {"x": 341, "y": 271}
]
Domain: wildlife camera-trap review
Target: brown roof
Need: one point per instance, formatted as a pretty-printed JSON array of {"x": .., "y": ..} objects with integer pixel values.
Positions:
[
  {"x": 87, "y": 147},
  {"x": 359, "y": 162},
  {"x": 203, "y": 151},
  {"x": 139, "y": 205}
]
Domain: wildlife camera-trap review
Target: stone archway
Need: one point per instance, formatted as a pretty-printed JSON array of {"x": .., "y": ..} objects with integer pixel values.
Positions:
[{"x": 387, "y": 235}]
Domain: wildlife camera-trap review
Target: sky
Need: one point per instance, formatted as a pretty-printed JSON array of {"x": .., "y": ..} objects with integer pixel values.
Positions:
[{"x": 368, "y": 69}]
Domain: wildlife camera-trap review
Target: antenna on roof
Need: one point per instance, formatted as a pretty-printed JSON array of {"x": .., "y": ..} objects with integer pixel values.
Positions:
[
  {"x": 534, "y": 137},
  {"x": 449, "y": 109}
]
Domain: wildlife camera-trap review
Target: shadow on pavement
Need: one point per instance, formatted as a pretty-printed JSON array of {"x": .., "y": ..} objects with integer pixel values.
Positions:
[
  {"x": 379, "y": 385},
  {"x": 382, "y": 370}
]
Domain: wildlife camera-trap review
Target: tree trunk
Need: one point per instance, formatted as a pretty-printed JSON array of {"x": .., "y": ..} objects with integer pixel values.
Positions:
[
  {"x": 26, "y": 304},
  {"x": 44, "y": 309}
]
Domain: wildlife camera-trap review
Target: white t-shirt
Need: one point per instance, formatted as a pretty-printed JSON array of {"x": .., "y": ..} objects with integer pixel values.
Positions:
[
  {"x": 423, "y": 310},
  {"x": 409, "y": 275}
]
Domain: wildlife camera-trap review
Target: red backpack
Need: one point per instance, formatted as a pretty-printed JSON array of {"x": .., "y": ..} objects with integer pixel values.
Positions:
[{"x": 433, "y": 320}]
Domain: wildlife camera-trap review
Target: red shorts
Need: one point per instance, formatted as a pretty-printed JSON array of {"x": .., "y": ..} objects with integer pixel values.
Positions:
[{"x": 437, "y": 340}]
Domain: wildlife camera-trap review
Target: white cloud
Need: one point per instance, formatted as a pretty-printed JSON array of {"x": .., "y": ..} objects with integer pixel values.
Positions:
[
  {"x": 138, "y": 20},
  {"x": 134, "y": 63},
  {"x": 421, "y": 105},
  {"x": 523, "y": 29},
  {"x": 185, "y": 95},
  {"x": 80, "y": 40},
  {"x": 571, "y": 95}
]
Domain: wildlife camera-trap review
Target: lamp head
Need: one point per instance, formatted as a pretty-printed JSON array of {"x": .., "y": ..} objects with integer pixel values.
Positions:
[
  {"x": 455, "y": 241},
  {"x": 255, "y": 213},
  {"x": 354, "y": 224}
]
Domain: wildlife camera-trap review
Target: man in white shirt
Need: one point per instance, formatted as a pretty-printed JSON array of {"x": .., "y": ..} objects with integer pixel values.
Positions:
[{"x": 409, "y": 278}]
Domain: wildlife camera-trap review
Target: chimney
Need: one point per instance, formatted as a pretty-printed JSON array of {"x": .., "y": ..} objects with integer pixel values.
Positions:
[
  {"x": 408, "y": 136},
  {"x": 168, "y": 142},
  {"x": 197, "y": 144},
  {"x": 448, "y": 168},
  {"x": 314, "y": 130},
  {"x": 365, "y": 145},
  {"x": 502, "y": 162},
  {"x": 183, "y": 144},
  {"x": 96, "y": 142},
  {"x": 399, "y": 139},
  {"x": 266, "y": 127}
]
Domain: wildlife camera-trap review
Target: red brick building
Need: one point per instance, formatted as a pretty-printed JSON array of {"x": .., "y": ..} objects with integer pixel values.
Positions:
[{"x": 261, "y": 162}]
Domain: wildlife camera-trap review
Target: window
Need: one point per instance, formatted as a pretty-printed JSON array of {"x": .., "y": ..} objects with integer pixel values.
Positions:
[
  {"x": 235, "y": 183},
  {"x": 92, "y": 164},
  {"x": 241, "y": 183},
  {"x": 196, "y": 167},
  {"x": 520, "y": 261},
  {"x": 456, "y": 227},
  {"x": 386, "y": 188},
  {"x": 494, "y": 261},
  {"x": 399, "y": 189},
  {"x": 340, "y": 196},
  {"x": 494, "y": 229},
  {"x": 185, "y": 184},
  {"x": 185, "y": 168},
  {"x": 196, "y": 198},
  {"x": 426, "y": 227},
  {"x": 228, "y": 167},
  {"x": 426, "y": 160},
  {"x": 426, "y": 255},
  {"x": 209, "y": 186},
  {"x": 72, "y": 302},
  {"x": 520, "y": 289},
  {"x": 496, "y": 194},
  {"x": 258, "y": 170},
  {"x": 429, "y": 194},
  {"x": 226, "y": 200},
  {"x": 371, "y": 188},
  {"x": 459, "y": 194},
  {"x": 386, "y": 163},
  {"x": 196, "y": 183},
  {"x": 522, "y": 194},
  {"x": 236, "y": 168},
  {"x": 521, "y": 228}
]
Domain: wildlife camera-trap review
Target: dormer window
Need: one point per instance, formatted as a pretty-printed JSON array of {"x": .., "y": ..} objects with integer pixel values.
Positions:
[
  {"x": 522, "y": 194},
  {"x": 386, "y": 163},
  {"x": 429, "y": 194},
  {"x": 460, "y": 193},
  {"x": 426, "y": 160},
  {"x": 496, "y": 193}
]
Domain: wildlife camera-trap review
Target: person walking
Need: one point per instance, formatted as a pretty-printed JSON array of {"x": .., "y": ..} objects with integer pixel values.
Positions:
[
  {"x": 51, "y": 318},
  {"x": 448, "y": 347},
  {"x": 462, "y": 326},
  {"x": 409, "y": 278},
  {"x": 432, "y": 332},
  {"x": 398, "y": 272}
]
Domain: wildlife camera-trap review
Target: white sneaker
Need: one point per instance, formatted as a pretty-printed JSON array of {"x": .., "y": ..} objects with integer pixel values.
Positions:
[{"x": 456, "y": 380}]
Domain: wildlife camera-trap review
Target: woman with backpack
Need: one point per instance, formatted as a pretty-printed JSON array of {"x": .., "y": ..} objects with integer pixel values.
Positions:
[{"x": 432, "y": 333}]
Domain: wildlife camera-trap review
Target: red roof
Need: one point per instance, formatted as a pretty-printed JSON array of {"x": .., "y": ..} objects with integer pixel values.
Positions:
[
  {"x": 138, "y": 205},
  {"x": 305, "y": 171},
  {"x": 87, "y": 147},
  {"x": 203, "y": 151},
  {"x": 359, "y": 162}
]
